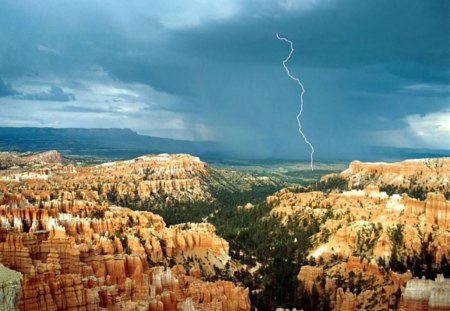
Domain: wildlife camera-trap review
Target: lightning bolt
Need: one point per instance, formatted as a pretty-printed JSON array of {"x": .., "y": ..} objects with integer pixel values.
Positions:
[{"x": 301, "y": 97}]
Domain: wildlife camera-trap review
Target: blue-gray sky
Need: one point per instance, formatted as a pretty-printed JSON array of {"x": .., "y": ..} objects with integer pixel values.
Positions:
[{"x": 376, "y": 73}]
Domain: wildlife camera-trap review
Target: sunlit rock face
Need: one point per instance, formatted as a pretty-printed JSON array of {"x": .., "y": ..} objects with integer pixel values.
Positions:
[
  {"x": 8, "y": 159},
  {"x": 364, "y": 230},
  {"x": 430, "y": 174},
  {"x": 362, "y": 221},
  {"x": 51, "y": 156},
  {"x": 74, "y": 251},
  {"x": 173, "y": 174},
  {"x": 155, "y": 179},
  {"x": 95, "y": 256},
  {"x": 353, "y": 284},
  {"x": 150, "y": 181}
]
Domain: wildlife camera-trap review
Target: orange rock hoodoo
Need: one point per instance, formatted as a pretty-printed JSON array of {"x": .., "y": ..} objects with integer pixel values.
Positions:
[
  {"x": 70, "y": 261},
  {"x": 362, "y": 231},
  {"x": 177, "y": 177},
  {"x": 76, "y": 252},
  {"x": 362, "y": 220},
  {"x": 431, "y": 174}
]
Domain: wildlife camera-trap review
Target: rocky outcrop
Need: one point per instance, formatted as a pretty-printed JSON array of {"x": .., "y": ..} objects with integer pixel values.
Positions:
[
  {"x": 435, "y": 208},
  {"x": 10, "y": 288},
  {"x": 366, "y": 235},
  {"x": 11, "y": 159},
  {"x": 146, "y": 182},
  {"x": 154, "y": 180},
  {"x": 221, "y": 295},
  {"x": 363, "y": 222},
  {"x": 80, "y": 255},
  {"x": 345, "y": 300},
  {"x": 353, "y": 284},
  {"x": 424, "y": 295},
  {"x": 310, "y": 276},
  {"x": 51, "y": 156},
  {"x": 431, "y": 174},
  {"x": 77, "y": 252}
]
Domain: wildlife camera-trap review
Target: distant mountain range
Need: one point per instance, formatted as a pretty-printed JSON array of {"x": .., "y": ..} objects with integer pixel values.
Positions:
[
  {"x": 107, "y": 143},
  {"x": 389, "y": 154},
  {"x": 117, "y": 143}
]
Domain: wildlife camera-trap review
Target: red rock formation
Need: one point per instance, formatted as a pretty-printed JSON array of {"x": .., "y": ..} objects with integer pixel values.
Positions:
[
  {"x": 151, "y": 180},
  {"x": 309, "y": 276},
  {"x": 71, "y": 262},
  {"x": 362, "y": 221},
  {"x": 433, "y": 174},
  {"x": 51, "y": 156},
  {"x": 363, "y": 227},
  {"x": 46, "y": 157},
  {"x": 355, "y": 284},
  {"x": 345, "y": 301},
  {"x": 57, "y": 292},
  {"x": 435, "y": 208},
  {"x": 221, "y": 295},
  {"x": 145, "y": 178}
]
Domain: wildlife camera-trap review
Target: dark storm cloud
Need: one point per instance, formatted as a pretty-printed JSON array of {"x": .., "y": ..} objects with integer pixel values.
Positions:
[
  {"x": 366, "y": 65},
  {"x": 6, "y": 89},
  {"x": 81, "y": 109},
  {"x": 72, "y": 108},
  {"x": 55, "y": 93},
  {"x": 404, "y": 37}
]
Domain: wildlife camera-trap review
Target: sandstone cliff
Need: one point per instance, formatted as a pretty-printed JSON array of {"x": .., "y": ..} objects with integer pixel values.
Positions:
[
  {"x": 146, "y": 182},
  {"x": 371, "y": 243},
  {"x": 425, "y": 175},
  {"x": 353, "y": 284},
  {"x": 78, "y": 255},
  {"x": 8, "y": 159},
  {"x": 363, "y": 222}
]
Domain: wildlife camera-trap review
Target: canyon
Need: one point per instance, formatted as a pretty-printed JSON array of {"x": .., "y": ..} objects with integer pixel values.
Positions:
[
  {"x": 71, "y": 260},
  {"x": 148, "y": 181},
  {"x": 75, "y": 251},
  {"x": 370, "y": 244},
  {"x": 89, "y": 237}
]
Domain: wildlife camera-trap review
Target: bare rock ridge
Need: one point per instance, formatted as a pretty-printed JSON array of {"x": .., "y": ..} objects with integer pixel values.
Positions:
[
  {"x": 8, "y": 159},
  {"x": 370, "y": 243},
  {"x": 427, "y": 174},
  {"x": 158, "y": 179},
  {"x": 358, "y": 217},
  {"x": 143, "y": 182},
  {"x": 51, "y": 156}
]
